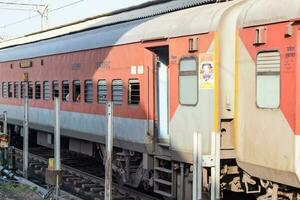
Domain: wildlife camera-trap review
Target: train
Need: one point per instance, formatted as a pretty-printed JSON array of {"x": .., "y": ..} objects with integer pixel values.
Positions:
[{"x": 171, "y": 68}]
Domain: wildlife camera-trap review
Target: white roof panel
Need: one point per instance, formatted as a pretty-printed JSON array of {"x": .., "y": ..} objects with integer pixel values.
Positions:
[
  {"x": 259, "y": 12},
  {"x": 189, "y": 21}
]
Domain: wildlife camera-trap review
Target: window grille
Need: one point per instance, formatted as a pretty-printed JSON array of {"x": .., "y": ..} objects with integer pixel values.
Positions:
[
  {"x": 102, "y": 91},
  {"x": 88, "y": 91},
  {"x": 46, "y": 90},
  {"x": 133, "y": 92},
  {"x": 117, "y": 91}
]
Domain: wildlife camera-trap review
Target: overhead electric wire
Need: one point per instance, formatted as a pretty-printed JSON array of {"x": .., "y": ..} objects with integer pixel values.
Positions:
[
  {"x": 20, "y": 4},
  {"x": 34, "y": 16}
]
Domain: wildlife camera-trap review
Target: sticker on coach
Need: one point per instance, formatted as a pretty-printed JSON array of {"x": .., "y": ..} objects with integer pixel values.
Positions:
[{"x": 206, "y": 68}]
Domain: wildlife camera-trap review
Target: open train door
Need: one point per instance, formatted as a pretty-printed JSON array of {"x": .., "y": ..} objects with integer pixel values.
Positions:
[{"x": 162, "y": 93}]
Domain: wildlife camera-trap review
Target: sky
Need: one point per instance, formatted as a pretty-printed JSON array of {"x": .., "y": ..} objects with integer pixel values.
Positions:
[{"x": 15, "y": 23}]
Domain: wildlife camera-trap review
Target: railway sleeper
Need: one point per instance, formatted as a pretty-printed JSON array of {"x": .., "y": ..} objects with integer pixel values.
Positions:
[
  {"x": 79, "y": 183},
  {"x": 88, "y": 186},
  {"x": 72, "y": 179},
  {"x": 97, "y": 189}
]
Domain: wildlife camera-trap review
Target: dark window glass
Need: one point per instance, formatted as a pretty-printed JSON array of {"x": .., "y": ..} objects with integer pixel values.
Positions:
[
  {"x": 76, "y": 91},
  {"x": 16, "y": 89},
  {"x": 30, "y": 90},
  {"x": 65, "y": 91},
  {"x": 88, "y": 91},
  {"x": 133, "y": 92},
  {"x": 10, "y": 90},
  {"x": 55, "y": 89},
  {"x": 37, "y": 90}
]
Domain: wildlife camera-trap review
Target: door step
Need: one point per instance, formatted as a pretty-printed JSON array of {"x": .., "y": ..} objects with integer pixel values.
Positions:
[{"x": 163, "y": 176}]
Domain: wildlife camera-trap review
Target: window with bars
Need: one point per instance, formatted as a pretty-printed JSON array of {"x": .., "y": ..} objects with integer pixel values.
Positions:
[
  {"x": 55, "y": 89},
  {"x": 10, "y": 90},
  {"x": 46, "y": 90},
  {"x": 65, "y": 91},
  {"x": 16, "y": 90},
  {"x": 23, "y": 89},
  {"x": 4, "y": 90},
  {"x": 268, "y": 80},
  {"x": 37, "y": 90},
  {"x": 88, "y": 91},
  {"x": 30, "y": 90},
  {"x": 76, "y": 91},
  {"x": 102, "y": 91},
  {"x": 117, "y": 91},
  {"x": 133, "y": 92}
]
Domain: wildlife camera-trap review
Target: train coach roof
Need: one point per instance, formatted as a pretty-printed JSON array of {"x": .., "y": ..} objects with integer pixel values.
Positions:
[
  {"x": 260, "y": 12},
  {"x": 153, "y": 21}
]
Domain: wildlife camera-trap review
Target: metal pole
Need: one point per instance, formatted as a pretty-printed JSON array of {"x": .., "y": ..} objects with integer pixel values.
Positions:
[
  {"x": 5, "y": 153},
  {"x": 57, "y": 144},
  {"x": 218, "y": 151},
  {"x": 5, "y": 122},
  {"x": 25, "y": 137},
  {"x": 213, "y": 169},
  {"x": 197, "y": 167},
  {"x": 181, "y": 181},
  {"x": 109, "y": 149}
]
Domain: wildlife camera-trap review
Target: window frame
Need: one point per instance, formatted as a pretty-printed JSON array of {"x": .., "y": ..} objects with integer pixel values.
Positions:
[
  {"x": 23, "y": 87},
  {"x": 36, "y": 91},
  {"x": 49, "y": 88},
  {"x": 129, "y": 91},
  {"x": 256, "y": 71},
  {"x": 74, "y": 99},
  {"x": 52, "y": 89},
  {"x": 112, "y": 92},
  {"x": 98, "y": 94},
  {"x": 16, "y": 90},
  {"x": 9, "y": 89},
  {"x": 30, "y": 83},
  {"x": 197, "y": 74},
  {"x": 89, "y": 81},
  {"x": 64, "y": 98},
  {"x": 4, "y": 92}
]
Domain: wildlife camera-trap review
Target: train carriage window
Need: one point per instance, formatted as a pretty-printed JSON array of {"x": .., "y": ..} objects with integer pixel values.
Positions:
[
  {"x": 30, "y": 90},
  {"x": 76, "y": 91},
  {"x": 23, "y": 89},
  {"x": 16, "y": 90},
  {"x": 10, "y": 90},
  {"x": 46, "y": 90},
  {"x": 4, "y": 90},
  {"x": 268, "y": 79},
  {"x": 117, "y": 91},
  {"x": 37, "y": 90},
  {"x": 188, "y": 81},
  {"x": 102, "y": 91},
  {"x": 55, "y": 89},
  {"x": 65, "y": 91},
  {"x": 133, "y": 92},
  {"x": 88, "y": 91}
]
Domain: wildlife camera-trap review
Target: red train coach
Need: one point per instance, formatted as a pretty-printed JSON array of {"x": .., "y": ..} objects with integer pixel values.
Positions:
[
  {"x": 137, "y": 58},
  {"x": 171, "y": 68}
]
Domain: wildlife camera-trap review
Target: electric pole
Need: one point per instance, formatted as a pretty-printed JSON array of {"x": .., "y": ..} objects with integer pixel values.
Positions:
[{"x": 41, "y": 9}]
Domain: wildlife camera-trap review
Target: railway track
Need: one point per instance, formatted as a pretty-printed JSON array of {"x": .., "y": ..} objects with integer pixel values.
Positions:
[{"x": 87, "y": 185}]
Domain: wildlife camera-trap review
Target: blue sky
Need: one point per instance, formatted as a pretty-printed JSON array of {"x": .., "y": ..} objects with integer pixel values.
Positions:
[{"x": 80, "y": 10}]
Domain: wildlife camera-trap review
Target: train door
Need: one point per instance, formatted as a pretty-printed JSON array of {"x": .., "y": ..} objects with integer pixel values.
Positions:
[{"x": 162, "y": 57}]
